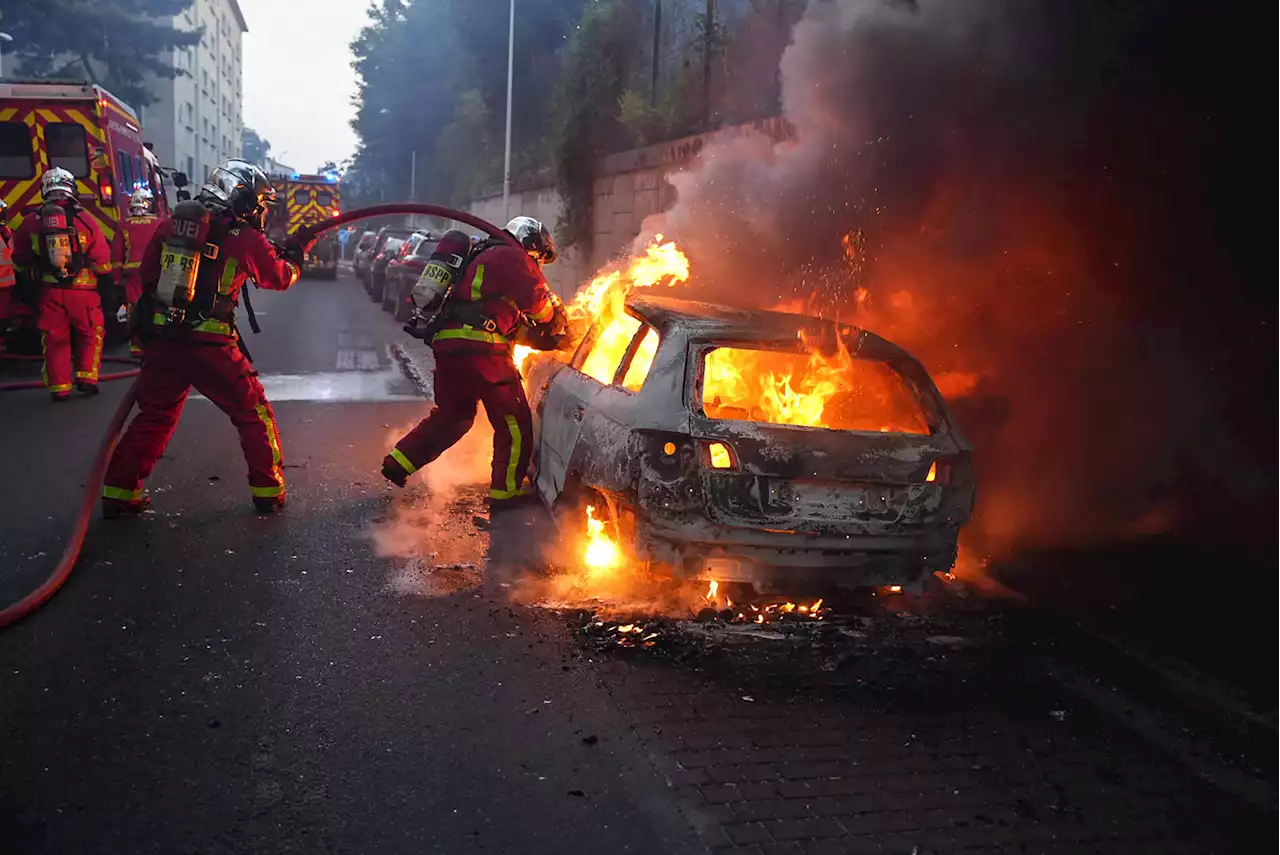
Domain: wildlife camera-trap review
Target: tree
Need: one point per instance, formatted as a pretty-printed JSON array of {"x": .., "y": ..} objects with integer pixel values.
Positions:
[
  {"x": 256, "y": 149},
  {"x": 117, "y": 44}
]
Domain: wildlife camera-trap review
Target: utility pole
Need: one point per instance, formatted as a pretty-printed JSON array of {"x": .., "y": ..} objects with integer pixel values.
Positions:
[
  {"x": 657, "y": 45},
  {"x": 708, "y": 30},
  {"x": 506, "y": 156}
]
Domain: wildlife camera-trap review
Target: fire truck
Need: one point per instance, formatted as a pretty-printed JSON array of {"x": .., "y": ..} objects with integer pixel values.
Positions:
[
  {"x": 305, "y": 200},
  {"x": 96, "y": 137}
]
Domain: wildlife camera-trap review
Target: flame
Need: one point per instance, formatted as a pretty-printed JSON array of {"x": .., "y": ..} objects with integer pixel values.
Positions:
[
  {"x": 711, "y": 589},
  {"x": 809, "y": 390},
  {"x": 600, "y": 304},
  {"x": 601, "y": 553},
  {"x": 520, "y": 354}
]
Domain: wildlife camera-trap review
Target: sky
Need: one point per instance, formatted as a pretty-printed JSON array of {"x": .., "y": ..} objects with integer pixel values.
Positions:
[{"x": 298, "y": 80}]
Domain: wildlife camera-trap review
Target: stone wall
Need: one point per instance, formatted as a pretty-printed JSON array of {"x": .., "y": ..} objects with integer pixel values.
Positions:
[{"x": 632, "y": 185}]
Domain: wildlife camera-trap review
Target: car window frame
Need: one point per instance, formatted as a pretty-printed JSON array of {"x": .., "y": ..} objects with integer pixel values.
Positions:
[
  {"x": 581, "y": 355},
  {"x": 84, "y": 139},
  {"x": 25, "y": 130}
]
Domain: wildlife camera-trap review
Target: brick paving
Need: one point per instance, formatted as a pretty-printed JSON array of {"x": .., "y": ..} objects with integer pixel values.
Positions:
[{"x": 907, "y": 749}]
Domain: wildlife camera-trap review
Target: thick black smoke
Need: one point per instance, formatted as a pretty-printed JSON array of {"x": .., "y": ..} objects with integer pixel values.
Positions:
[{"x": 1042, "y": 196}]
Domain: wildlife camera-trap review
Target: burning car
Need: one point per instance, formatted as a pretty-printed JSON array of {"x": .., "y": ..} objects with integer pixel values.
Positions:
[{"x": 757, "y": 447}]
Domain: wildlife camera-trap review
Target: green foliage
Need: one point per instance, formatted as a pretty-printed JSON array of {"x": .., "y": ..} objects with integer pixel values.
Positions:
[
  {"x": 255, "y": 149},
  {"x": 596, "y": 68},
  {"x": 433, "y": 84},
  {"x": 114, "y": 43}
]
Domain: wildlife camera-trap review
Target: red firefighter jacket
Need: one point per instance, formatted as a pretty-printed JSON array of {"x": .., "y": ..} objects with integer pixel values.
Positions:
[
  {"x": 93, "y": 244},
  {"x": 504, "y": 283},
  {"x": 245, "y": 253},
  {"x": 137, "y": 236},
  {"x": 7, "y": 276}
]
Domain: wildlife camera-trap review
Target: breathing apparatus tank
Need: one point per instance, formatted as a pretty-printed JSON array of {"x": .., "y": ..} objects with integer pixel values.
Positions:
[
  {"x": 57, "y": 234},
  {"x": 187, "y": 243}
]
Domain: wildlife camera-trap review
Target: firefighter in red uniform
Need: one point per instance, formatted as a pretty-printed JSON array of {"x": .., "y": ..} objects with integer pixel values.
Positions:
[
  {"x": 485, "y": 294},
  {"x": 63, "y": 249},
  {"x": 193, "y": 273},
  {"x": 138, "y": 229},
  {"x": 8, "y": 278}
]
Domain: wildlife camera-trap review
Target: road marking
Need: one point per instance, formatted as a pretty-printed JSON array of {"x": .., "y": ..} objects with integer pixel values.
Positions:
[{"x": 386, "y": 385}]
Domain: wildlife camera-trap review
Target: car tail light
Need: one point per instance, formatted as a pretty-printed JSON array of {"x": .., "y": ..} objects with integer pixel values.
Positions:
[
  {"x": 939, "y": 471},
  {"x": 721, "y": 455},
  {"x": 337, "y": 211}
]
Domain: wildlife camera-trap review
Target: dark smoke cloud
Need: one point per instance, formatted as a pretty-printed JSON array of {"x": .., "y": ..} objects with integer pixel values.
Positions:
[{"x": 1028, "y": 187}]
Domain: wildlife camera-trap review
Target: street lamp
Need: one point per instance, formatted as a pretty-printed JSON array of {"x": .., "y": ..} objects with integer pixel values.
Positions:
[
  {"x": 506, "y": 157},
  {"x": 4, "y": 37}
]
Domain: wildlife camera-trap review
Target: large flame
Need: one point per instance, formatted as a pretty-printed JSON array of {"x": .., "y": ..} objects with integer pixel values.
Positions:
[{"x": 600, "y": 553}]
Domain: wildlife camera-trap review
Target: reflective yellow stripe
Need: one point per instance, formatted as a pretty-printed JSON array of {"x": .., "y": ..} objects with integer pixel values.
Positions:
[
  {"x": 61, "y": 387},
  {"x": 399, "y": 457},
  {"x": 476, "y": 283},
  {"x": 228, "y": 276},
  {"x": 158, "y": 319},
  {"x": 132, "y": 265},
  {"x": 471, "y": 334},
  {"x": 121, "y": 493},
  {"x": 507, "y": 494},
  {"x": 514, "y": 427},
  {"x": 545, "y": 315},
  {"x": 96, "y": 365},
  {"x": 273, "y": 437},
  {"x": 212, "y": 326},
  {"x": 268, "y": 492}
]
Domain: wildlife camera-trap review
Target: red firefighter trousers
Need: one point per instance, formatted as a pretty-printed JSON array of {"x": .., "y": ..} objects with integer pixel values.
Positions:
[
  {"x": 462, "y": 381},
  {"x": 63, "y": 310},
  {"x": 220, "y": 373}
]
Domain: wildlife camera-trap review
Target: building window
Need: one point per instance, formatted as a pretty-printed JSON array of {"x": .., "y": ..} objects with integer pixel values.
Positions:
[{"x": 191, "y": 169}]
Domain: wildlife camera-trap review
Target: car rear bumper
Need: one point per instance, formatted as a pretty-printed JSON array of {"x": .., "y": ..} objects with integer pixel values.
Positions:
[{"x": 775, "y": 559}]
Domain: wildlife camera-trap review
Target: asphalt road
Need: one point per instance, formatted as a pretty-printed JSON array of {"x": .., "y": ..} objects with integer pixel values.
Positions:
[
  {"x": 337, "y": 678},
  {"x": 211, "y": 681}
]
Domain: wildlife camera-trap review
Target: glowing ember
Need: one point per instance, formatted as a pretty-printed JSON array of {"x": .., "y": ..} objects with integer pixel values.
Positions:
[
  {"x": 712, "y": 588},
  {"x": 895, "y": 589},
  {"x": 601, "y": 553}
]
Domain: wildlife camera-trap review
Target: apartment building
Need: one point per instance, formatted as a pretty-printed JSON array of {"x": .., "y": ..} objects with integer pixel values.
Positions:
[{"x": 196, "y": 120}]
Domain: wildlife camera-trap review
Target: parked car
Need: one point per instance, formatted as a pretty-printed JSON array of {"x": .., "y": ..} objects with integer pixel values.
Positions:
[
  {"x": 358, "y": 257},
  {"x": 663, "y": 422},
  {"x": 379, "y": 241},
  {"x": 378, "y": 267},
  {"x": 403, "y": 272}
]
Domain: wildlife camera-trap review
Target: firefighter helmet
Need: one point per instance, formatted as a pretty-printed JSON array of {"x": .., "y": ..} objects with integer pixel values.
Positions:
[
  {"x": 242, "y": 188},
  {"x": 534, "y": 237},
  {"x": 141, "y": 201},
  {"x": 58, "y": 183}
]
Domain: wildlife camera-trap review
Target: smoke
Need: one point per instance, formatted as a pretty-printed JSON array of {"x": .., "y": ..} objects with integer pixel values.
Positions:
[{"x": 1004, "y": 182}]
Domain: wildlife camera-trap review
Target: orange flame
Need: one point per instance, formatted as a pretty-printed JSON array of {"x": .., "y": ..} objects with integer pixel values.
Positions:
[{"x": 601, "y": 553}]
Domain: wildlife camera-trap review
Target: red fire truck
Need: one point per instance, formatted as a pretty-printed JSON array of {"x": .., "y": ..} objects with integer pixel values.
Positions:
[{"x": 87, "y": 131}]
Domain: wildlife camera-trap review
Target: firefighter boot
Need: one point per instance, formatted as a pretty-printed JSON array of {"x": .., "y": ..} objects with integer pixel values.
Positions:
[
  {"x": 113, "y": 509},
  {"x": 86, "y": 389},
  {"x": 59, "y": 397},
  {"x": 268, "y": 504}
]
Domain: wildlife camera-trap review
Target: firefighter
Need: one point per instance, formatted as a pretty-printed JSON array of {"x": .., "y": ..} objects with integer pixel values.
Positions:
[
  {"x": 62, "y": 249},
  {"x": 193, "y": 273},
  {"x": 8, "y": 278},
  {"x": 484, "y": 294},
  {"x": 138, "y": 228}
]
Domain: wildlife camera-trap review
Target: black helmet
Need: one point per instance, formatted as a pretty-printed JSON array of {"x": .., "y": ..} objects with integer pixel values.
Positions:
[
  {"x": 241, "y": 187},
  {"x": 534, "y": 237}
]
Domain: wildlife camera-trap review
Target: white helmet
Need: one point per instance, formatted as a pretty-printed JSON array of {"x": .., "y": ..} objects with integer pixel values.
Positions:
[
  {"x": 58, "y": 183},
  {"x": 141, "y": 201}
]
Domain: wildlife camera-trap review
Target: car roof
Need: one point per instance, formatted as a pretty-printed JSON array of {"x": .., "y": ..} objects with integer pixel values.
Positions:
[{"x": 712, "y": 321}]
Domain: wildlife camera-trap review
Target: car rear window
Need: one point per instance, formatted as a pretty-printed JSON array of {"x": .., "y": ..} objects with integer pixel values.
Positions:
[
  {"x": 16, "y": 151},
  {"x": 425, "y": 248},
  {"x": 392, "y": 244},
  {"x": 601, "y": 361},
  {"x": 808, "y": 390}
]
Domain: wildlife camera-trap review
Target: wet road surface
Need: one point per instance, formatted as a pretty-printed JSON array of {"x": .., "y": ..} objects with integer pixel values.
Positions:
[{"x": 335, "y": 679}]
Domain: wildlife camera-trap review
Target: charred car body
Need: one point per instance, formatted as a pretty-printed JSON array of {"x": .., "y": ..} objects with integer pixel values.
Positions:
[{"x": 676, "y": 416}]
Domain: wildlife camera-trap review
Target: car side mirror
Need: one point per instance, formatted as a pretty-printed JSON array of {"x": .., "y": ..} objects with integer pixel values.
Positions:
[{"x": 180, "y": 180}]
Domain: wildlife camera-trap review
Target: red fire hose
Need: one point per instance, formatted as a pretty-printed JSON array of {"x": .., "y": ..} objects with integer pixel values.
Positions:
[
  {"x": 34, "y": 600},
  {"x": 39, "y": 384}
]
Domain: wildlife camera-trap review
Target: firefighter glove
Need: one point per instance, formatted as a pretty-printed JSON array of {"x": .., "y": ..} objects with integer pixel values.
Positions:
[{"x": 301, "y": 241}]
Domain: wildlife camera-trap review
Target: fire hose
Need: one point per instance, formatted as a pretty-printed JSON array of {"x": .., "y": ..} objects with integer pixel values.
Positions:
[{"x": 84, "y": 512}]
